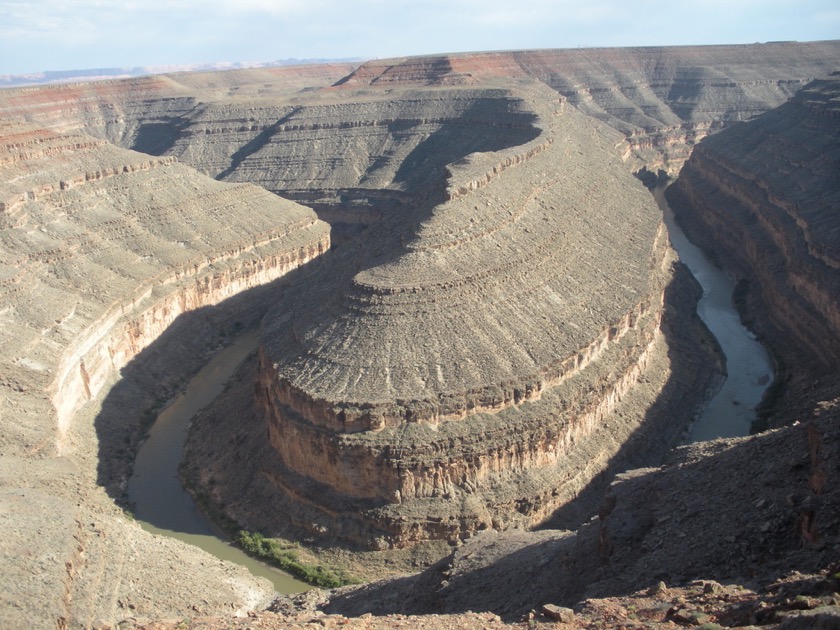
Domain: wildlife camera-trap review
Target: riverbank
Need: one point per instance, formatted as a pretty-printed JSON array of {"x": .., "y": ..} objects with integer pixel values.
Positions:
[
  {"x": 731, "y": 412},
  {"x": 231, "y": 464},
  {"x": 727, "y": 413},
  {"x": 160, "y": 503}
]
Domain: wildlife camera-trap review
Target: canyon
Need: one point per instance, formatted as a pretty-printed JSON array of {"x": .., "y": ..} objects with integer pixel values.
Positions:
[
  {"x": 770, "y": 185},
  {"x": 491, "y": 326}
]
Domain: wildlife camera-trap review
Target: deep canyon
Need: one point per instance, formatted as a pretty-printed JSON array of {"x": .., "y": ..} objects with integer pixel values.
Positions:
[{"x": 470, "y": 318}]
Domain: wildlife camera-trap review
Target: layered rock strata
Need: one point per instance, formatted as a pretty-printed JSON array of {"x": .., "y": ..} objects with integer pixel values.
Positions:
[
  {"x": 147, "y": 113},
  {"x": 463, "y": 368},
  {"x": 260, "y": 126},
  {"x": 763, "y": 197},
  {"x": 740, "y": 512},
  {"x": 102, "y": 249},
  {"x": 664, "y": 99}
]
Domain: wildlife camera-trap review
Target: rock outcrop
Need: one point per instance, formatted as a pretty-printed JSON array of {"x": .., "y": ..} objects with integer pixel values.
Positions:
[
  {"x": 475, "y": 357},
  {"x": 102, "y": 250},
  {"x": 763, "y": 197},
  {"x": 455, "y": 368},
  {"x": 496, "y": 330},
  {"x": 664, "y": 99},
  {"x": 743, "y": 512}
]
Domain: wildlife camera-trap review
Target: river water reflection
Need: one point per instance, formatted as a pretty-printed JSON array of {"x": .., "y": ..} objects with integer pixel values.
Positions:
[
  {"x": 162, "y": 506},
  {"x": 749, "y": 370}
]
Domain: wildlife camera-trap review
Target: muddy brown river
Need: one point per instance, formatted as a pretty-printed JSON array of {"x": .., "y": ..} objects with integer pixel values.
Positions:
[
  {"x": 731, "y": 411},
  {"x": 164, "y": 507}
]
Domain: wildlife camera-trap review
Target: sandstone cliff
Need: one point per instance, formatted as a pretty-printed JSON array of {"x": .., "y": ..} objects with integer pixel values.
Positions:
[
  {"x": 453, "y": 370},
  {"x": 663, "y": 99}
]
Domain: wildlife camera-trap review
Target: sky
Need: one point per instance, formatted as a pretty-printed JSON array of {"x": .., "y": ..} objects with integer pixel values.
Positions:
[{"x": 41, "y": 35}]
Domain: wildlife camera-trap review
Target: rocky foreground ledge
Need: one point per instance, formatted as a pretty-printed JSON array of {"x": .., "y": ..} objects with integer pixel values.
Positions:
[{"x": 730, "y": 533}]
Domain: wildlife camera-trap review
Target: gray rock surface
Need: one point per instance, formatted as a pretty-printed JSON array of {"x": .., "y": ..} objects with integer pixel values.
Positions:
[{"x": 102, "y": 249}]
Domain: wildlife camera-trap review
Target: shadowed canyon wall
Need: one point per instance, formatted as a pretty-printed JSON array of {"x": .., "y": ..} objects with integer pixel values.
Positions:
[
  {"x": 763, "y": 197},
  {"x": 491, "y": 322},
  {"x": 102, "y": 250}
]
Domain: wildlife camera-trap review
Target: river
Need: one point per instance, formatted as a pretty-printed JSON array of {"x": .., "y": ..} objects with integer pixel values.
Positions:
[
  {"x": 164, "y": 507},
  {"x": 731, "y": 411}
]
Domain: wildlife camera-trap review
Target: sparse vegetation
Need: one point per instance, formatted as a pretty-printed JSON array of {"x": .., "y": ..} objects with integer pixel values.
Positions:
[
  {"x": 284, "y": 557},
  {"x": 277, "y": 553}
]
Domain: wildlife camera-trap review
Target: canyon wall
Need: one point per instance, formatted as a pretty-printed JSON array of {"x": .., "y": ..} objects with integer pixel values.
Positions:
[
  {"x": 488, "y": 338},
  {"x": 763, "y": 197},
  {"x": 373, "y": 381},
  {"x": 444, "y": 373},
  {"x": 663, "y": 99},
  {"x": 102, "y": 250}
]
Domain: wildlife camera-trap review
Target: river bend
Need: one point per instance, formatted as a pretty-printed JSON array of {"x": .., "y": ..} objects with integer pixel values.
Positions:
[{"x": 164, "y": 507}]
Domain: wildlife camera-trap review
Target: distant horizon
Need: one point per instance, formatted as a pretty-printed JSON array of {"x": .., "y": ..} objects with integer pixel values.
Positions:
[
  {"x": 51, "y": 77},
  {"x": 44, "y": 77},
  {"x": 38, "y": 36}
]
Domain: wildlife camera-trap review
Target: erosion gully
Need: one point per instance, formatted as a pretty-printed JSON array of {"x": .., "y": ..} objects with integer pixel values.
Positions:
[{"x": 164, "y": 507}]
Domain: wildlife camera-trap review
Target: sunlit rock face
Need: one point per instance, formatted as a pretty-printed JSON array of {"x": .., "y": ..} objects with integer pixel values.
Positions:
[
  {"x": 664, "y": 99},
  {"x": 101, "y": 250},
  {"x": 104, "y": 248},
  {"x": 489, "y": 335},
  {"x": 439, "y": 379}
]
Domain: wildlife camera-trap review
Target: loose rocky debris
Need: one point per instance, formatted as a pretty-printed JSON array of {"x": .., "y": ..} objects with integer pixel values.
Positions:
[{"x": 795, "y": 601}]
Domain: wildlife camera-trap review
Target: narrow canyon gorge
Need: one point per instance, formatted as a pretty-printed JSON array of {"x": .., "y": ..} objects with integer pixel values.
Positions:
[{"x": 470, "y": 320}]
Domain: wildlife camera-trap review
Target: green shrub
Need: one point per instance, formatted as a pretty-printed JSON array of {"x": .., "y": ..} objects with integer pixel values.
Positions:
[{"x": 285, "y": 557}]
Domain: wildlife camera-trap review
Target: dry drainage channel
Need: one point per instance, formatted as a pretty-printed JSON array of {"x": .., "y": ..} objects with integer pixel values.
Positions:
[{"x": 162, "y": 506}]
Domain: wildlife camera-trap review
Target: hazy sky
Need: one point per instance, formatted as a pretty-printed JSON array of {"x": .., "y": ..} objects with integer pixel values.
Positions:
[{"x": 37, "y": 35}]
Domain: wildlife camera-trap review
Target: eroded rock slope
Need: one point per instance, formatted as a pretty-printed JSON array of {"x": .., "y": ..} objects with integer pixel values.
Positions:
[
  {"x": 763, "y": 196},
  {"x": 453, "y": 370},
  {"x": 456, "y": 366},
  {"x": 102, "y": 250}
]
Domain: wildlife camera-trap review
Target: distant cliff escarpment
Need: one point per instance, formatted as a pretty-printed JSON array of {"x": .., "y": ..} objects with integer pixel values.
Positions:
[{"x": 470, "y": 316}]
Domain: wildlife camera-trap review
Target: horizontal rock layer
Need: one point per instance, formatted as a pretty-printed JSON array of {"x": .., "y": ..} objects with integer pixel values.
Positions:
[
  {"x": 763, "y": 197},
  {"x": 663, "y": 99},
  {"x": 489, "y": 342},
  {"x": 101, "y": 250}
]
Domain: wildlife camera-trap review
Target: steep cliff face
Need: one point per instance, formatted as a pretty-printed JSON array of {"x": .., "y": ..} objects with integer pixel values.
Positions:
[
  {"x": 430, "y": 385},
  {"x": 256, "y": 125},
  {"x": 763, "y": 197},
  {"x": 101, "y": 250}
]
